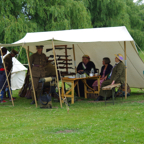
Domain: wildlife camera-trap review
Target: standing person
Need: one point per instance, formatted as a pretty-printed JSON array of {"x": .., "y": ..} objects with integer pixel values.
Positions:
[
  {"x": 117, "y": 75},
  {"x": 8, "y": 61},
  {"x": 106, "y": 69},
  {"x": 4, "y": 51},
  {"x": 3, "y": 84},
  {"x": 38, "y": 62},
  {"x": 85, "y": 67}
]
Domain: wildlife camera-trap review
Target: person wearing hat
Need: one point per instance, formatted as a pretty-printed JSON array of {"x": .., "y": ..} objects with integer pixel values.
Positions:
[
  {"x": 8, "y": 60},
  {"x": 85, "y": 67},
  {"x": 38, "y": 61},
  {"x": 117, "y": 75}
]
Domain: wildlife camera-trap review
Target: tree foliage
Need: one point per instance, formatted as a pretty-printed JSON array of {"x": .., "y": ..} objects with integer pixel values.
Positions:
[{"x": 21, "y": 16}]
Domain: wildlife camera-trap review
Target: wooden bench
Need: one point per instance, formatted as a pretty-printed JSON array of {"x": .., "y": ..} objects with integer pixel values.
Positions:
[{"x": 111, "y": 87}]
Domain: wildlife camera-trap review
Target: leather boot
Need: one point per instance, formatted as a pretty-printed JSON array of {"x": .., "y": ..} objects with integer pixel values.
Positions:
[
  {"x": 99, "y": 98},
  {"x": 38, "y": 93}
]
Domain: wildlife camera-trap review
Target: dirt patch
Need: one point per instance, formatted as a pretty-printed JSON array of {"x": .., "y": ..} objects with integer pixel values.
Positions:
[
  {"x": 141, "y": 101},
  {"x": 65, "y": 131},
  {"x": 55, "y": 107},
  {"x": 95, "y": 101},
  {"x": 80, "y": 99}
]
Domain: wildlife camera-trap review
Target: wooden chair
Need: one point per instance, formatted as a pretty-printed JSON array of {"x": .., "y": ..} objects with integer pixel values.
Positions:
[{"x": 112, "y": 88}]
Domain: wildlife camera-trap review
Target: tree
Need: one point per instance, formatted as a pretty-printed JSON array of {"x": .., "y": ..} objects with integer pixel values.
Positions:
[
  {"x": 104, "y": 12},
  {"x": 14, "y": 24},
  {"x": 108, "y": 13},
  {"x": 21, "y": 16},
  {"x": 50, "y": 15}
]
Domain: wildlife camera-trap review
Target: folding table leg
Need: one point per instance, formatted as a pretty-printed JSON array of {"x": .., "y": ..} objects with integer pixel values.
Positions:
[
  {"x": 72, "y": 93},
  {"x": 113, "y": 93},
  {"x": 105, "y": 96}
]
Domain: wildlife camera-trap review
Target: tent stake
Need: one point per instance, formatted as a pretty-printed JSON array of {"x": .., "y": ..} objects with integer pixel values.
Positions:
[
  {"x": 7, "y": 77},
  {"x": 75, "y": 69},
  {"x": 56, "y": 71},
  {"x": 27, "y": 51},
  {"x": 125, "y": 70}
]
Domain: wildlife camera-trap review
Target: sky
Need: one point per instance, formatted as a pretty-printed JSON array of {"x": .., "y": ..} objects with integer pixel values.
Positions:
[{"x": 136, "y": 0}]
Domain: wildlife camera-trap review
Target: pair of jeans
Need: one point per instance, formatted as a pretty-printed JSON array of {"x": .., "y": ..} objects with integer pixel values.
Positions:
[
  {"x": 7, "y": 90},
  {"x": 2, "y": 95}
]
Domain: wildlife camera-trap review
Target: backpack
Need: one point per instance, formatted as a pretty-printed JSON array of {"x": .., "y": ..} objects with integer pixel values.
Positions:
[
  {"x": 45, "y": 99},
  {"x": 121, "y": 91}
]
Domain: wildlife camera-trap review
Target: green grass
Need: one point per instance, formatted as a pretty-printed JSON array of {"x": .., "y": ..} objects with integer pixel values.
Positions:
[
  {"x": 141, "y": 54},
  {"x": 86, "y": 123}
]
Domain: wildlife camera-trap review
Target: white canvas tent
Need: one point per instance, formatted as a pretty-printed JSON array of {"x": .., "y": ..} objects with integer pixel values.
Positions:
[
  {"x": 18, "y": 74},
  {"x": 96, "y": 42}
]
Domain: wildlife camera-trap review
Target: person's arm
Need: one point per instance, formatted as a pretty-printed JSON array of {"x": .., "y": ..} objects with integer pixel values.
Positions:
[
  {"x": 90, "y": 65},
  {"x": 31, "y": 60},
  {"x": 46, "y": 59},
  {"x": 0, "y": 61},
  {"x": 79, "y": 67},
  {"x": 108, "y": 71},
  {"x": 102, "y": 68},
  {"x": 120, "y": 69}
]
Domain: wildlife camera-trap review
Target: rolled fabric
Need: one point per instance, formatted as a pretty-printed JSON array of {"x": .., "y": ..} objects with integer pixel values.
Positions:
[{"x": 46, "y": 79}]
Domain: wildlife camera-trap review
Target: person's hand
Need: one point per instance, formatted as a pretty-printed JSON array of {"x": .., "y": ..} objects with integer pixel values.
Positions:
[
  {"x": 80, "y": 71},
  {"x": 105, "y": 77},
  {"x": 7, "y": 86},
  {"x": 112, "y": 82}
]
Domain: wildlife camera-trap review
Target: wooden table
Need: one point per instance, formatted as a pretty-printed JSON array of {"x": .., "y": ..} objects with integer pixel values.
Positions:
[{"x": 74, "y": 82}]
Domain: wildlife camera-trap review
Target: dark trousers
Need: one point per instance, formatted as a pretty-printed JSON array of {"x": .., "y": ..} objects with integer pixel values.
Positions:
[
  {"x": 81, "y": 87},
  {"x": 102, "y": 92}
]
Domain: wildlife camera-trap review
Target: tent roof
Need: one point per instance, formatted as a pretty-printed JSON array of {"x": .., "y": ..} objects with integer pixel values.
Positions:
[
  {"x": 96, "y": 42},
  {"x": 108, "y": 34}
]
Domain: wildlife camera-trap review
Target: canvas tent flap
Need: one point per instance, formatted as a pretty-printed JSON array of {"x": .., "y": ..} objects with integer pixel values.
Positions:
[
  {"x": 96, "y": 42},
  {"x": 18, "y": 74}
]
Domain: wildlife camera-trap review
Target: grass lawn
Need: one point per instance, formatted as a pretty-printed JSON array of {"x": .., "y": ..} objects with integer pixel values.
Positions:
[{"x": 86, "y": 123}]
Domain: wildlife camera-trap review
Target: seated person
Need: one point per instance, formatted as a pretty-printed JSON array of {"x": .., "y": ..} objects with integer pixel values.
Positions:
[
  {"x": 106, "y": 69},
  {"x": 117, "y": 75},
  {"x": 85, "y": 67}
]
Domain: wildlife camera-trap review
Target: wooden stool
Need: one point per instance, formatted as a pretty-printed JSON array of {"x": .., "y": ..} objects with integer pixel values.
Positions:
[{"x": 110, "y": 87}]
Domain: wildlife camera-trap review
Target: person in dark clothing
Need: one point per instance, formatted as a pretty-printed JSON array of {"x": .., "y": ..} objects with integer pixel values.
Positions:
[
  {"x": 117, "y": 75},
  {"x": 106, "y": 69},
  {"x": 3, "y": 84},
  {"x": 4, "y": 51},
  {"x": 85, "y": 67}
]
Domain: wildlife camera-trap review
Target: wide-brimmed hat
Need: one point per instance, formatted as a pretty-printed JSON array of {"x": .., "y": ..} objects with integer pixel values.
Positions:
[
  {"x": 39, "y": 46},
  {"x": 86, "y": 56},
  {"x": 119, "y": 56},
  {"x": 14, "y": 52}
]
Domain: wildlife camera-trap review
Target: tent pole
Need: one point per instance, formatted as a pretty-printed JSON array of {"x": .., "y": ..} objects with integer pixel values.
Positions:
[
  {"x": 125, "y": 70},
  {"x": 7, "y": 77},
  {"x": 56, "y": 71},
  {"x": 27, "y": 52},
  {"x": 75, "y": 69}
]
